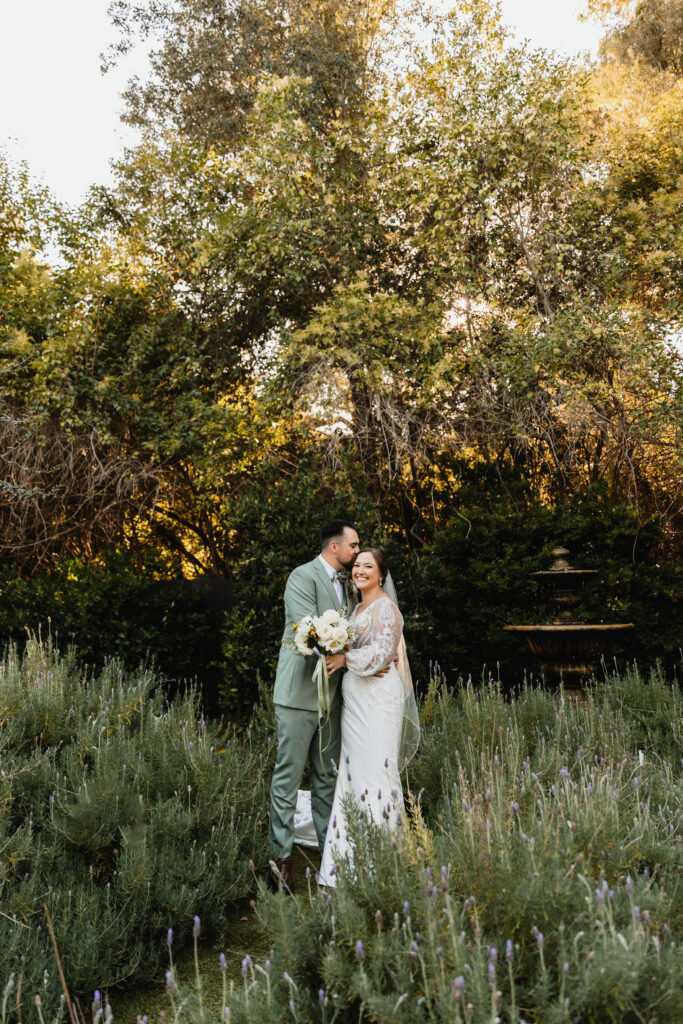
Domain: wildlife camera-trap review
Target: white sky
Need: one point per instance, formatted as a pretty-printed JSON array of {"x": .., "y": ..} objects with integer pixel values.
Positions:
[{"x": 61, "y": 115}]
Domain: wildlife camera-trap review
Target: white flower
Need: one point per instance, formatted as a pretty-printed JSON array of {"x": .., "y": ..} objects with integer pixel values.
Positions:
[
  {"x": 324, "y": 630},
  {"x": 340, "y": 634},
  {"x": 302, "y": 633},
  {"x": 331, "y": 616}
]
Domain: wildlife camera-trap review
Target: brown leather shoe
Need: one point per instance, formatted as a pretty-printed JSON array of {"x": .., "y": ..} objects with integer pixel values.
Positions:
[{"x": 284, "y": 873}]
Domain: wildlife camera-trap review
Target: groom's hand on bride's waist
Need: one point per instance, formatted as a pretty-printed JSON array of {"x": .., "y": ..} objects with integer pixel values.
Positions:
[{"x": 383, "y": 671}]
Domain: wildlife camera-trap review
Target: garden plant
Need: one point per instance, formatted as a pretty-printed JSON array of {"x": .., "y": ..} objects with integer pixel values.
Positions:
[
  {"x": 121, "y": 816},
  {"x": 537, "y": 877}
]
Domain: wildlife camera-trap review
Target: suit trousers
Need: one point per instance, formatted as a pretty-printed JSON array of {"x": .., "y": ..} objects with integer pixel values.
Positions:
[{"x": 300, "y": 737}]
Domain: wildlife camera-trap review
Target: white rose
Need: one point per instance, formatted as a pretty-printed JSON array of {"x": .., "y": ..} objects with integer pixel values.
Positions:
[
  {"x": 331, "y": 616},
  {"x": 339, "y": 635},
  {"x": 324, "y": 632}
]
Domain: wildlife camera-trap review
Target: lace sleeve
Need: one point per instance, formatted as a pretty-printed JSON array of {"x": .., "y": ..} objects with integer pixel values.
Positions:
[{"x": 379, "y": 647}]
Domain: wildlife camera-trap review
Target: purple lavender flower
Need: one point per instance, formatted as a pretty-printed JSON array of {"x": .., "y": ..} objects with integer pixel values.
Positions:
[
  {"x": 459, "y": 987},
  {"x": 492, "y": 975},
  {"x": 539, "y": 937},
  {"x": 493, "y": 954},
  {"x": 246, "y": 964},
  {"x": 222, "y": 962},
  {"x": 509, "y": 951},
  {"x": 169, "y": 936},
  {"x": 406, "y": 908},
  {"x": 170, "y": 984},
  {"x": 321, "y": 996},
  {"x": 565, "y": 970},
  {"x": 564, "y": 773},
  {"x": 196, "y": 927},
  {"x": 360, "y": 952},
  {"x": 267, "y": 966}
]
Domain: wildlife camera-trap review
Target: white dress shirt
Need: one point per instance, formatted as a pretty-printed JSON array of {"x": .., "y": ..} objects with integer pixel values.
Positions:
[{"x": 332, "y": 573}]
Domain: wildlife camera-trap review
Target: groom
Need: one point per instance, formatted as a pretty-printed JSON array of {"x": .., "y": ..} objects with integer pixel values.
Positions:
[{"x": 311, "y": 589}]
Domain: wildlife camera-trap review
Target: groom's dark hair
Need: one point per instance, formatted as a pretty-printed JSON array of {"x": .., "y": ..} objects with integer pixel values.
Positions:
[{"x": 334, "y": 530}]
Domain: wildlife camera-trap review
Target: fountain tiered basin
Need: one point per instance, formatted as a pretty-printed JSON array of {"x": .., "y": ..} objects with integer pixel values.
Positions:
[{"x": 569, "y": 650}]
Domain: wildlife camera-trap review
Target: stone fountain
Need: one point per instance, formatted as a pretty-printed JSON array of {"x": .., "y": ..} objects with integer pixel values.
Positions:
[{"x": 569, "y": 649}]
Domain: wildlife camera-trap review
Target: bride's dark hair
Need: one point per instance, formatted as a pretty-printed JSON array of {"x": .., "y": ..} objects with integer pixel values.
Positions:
[{"x": 379, "y": 557}]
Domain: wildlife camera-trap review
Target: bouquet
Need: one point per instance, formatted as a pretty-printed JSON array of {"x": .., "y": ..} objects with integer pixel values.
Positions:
[{"x": 329, "y": 633}]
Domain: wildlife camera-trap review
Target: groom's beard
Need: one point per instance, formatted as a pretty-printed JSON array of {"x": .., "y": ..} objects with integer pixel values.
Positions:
[{"x": 349, "y": 565}]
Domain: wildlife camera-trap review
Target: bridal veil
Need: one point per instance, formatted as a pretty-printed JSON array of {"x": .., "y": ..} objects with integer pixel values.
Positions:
[{"x": 410, "y": 731}]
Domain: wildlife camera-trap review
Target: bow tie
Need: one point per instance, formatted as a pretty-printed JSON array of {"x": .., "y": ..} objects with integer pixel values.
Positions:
[{"x": 341, "y": 577}]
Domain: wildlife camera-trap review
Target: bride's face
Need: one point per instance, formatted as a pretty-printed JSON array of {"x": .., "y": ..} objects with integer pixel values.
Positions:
[{"x": 366, "y": 574}]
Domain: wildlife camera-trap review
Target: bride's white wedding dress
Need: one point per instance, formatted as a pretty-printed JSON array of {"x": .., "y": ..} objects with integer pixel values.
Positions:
[{"x": 371, "y": 724}]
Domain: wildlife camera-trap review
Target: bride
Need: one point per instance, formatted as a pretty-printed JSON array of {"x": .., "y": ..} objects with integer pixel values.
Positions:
[{"x": 379, "y": 723}]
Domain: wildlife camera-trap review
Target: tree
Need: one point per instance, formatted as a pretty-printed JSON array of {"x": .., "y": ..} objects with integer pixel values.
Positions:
[
  {"x": 214, "y": 55},
  {"x": 648, "y": 31}
]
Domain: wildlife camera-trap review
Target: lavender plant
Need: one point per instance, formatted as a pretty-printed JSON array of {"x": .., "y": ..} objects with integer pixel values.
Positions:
[
  {"x": 535, "y": 878},
  {"x": 121, "y": 814},
  {"x": 538, "y": 880}
]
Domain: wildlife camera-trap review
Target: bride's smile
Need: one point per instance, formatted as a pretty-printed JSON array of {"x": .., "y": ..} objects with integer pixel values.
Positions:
[{"x": 366, "y": 574}]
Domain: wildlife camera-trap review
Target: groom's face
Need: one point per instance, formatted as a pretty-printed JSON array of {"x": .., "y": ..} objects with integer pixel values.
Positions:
[{"x": 347, "y": 548}]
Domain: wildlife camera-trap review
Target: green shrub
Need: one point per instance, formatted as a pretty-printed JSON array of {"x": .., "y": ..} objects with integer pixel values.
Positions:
[
  {"x": 472, "y": 578},
  {"x": 543, "y": 882},
  {"x": 122, "y": 813},
  {"x": 468, "y": 578},
  {"x": 539, "y": 878},
  {"x": 123, "y": 607}
]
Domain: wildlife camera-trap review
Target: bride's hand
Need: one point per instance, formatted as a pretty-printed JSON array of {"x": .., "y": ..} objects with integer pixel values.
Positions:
[{"x": 335, "y": 661}]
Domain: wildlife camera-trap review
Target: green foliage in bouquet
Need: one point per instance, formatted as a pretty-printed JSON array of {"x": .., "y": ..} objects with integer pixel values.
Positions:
[{"x": 124, "y": 815}]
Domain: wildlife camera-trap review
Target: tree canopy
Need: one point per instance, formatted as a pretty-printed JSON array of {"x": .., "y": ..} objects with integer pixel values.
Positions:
[{"x": 386, "y": 243}]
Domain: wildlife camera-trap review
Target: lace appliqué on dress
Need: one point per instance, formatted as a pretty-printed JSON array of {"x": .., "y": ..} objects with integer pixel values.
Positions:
[{"x": 379, "y": 633}]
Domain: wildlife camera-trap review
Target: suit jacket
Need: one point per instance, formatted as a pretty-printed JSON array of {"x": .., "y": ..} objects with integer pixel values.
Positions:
[{"x": 309, "y": 591}]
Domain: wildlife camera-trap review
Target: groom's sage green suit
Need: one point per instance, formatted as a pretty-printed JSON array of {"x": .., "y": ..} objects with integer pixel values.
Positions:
[{"x": 309, "y": 591}]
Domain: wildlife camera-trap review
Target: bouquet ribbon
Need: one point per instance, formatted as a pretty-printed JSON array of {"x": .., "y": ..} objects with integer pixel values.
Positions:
[{"x": 322, "y": 680}]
